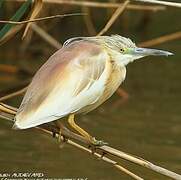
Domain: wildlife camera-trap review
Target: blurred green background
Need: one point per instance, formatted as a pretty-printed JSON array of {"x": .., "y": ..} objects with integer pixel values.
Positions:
[{"x": 146, "y": 125}]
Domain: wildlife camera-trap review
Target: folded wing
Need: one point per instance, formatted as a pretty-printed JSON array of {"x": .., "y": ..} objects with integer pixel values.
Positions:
[{"x": 70, "y": 80}]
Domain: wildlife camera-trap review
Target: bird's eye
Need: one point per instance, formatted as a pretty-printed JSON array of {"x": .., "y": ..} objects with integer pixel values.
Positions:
[{"x": 122, "y": 50}]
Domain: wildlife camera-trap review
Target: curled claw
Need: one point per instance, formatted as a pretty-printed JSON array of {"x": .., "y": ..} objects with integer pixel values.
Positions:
[
  {"x": 98, "y": 142},
  {"x": 94, "y": 144},
  {"x": 62, "y": 139}
]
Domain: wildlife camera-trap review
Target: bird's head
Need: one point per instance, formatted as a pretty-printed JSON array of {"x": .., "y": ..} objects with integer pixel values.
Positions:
[
  {"x": 122, "y": 49},
  {"x": 125, "y": 51}
]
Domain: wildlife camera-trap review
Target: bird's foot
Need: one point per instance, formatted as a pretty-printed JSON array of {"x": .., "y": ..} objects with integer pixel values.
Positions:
[
  {"x": 98, "y": 142},
  {"x": 94, "y": 144},
  {"x": 62, "y": 140}
]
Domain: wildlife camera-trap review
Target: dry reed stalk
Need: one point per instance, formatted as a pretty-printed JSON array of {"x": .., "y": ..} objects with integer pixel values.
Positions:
[
  {"x": 161, "y": 39},
  {"x": 113, "y": 18},
  {"x": 16, "y": 93},
  {"x": 88, "y": 21},
  {"x": 41, "y": 19},
  {"x": 165, "y": 3},
  {"x": 101, "y": 4},
  {"x": 103, "y": 150},
  {"x": 45, "y": 36}
]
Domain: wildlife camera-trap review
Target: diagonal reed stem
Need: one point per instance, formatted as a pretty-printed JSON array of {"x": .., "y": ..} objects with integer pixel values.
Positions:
[{"x": 107, "y": 150}]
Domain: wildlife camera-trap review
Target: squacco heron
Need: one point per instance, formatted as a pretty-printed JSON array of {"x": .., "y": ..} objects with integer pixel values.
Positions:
[{"x": 78, "y": 78}]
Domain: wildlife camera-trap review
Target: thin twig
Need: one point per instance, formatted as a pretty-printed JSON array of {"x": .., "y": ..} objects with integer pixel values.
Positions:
[
  {"x": 161, "y": 39},
  {"x": 5, "y": 109},
  {"x": 140, "y": 161},
  {"x": 166, "y": 3},
  {"x": 100, "y": 4},
  {"x": 16, "y": 93},
  {"x": 47, "y": 37},
  {"x": 41, "y": 19},
  {"x": 113, "y": 18},
  {"x": 106, "y": 150},
  {"x": 88, "y": 21},
  {"x": 106, "y": 159},
  {"x": 36, "y": 9}
]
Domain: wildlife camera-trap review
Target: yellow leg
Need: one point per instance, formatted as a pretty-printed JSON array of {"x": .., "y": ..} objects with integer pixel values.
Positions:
[
  {"x": 91, "y": 139},
  {"x": 79, "y": 129}
]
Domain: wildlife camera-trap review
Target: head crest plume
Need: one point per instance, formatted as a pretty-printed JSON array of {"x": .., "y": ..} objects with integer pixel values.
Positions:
[{"x": 113, "y": 41}]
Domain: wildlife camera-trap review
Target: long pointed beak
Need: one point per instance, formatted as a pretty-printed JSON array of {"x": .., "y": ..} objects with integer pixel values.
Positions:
[{"x": 150, "y": 52}]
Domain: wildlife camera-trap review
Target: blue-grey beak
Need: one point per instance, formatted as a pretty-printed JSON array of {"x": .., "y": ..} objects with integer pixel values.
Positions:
[{"x": 150, "y": 52}]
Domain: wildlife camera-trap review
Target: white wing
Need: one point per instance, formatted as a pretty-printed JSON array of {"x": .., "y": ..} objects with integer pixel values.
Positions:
[{"x": 72, "y": 79}]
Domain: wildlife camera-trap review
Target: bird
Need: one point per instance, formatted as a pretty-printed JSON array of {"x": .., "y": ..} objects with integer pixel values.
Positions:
[{"x": 77, "y": 79}]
